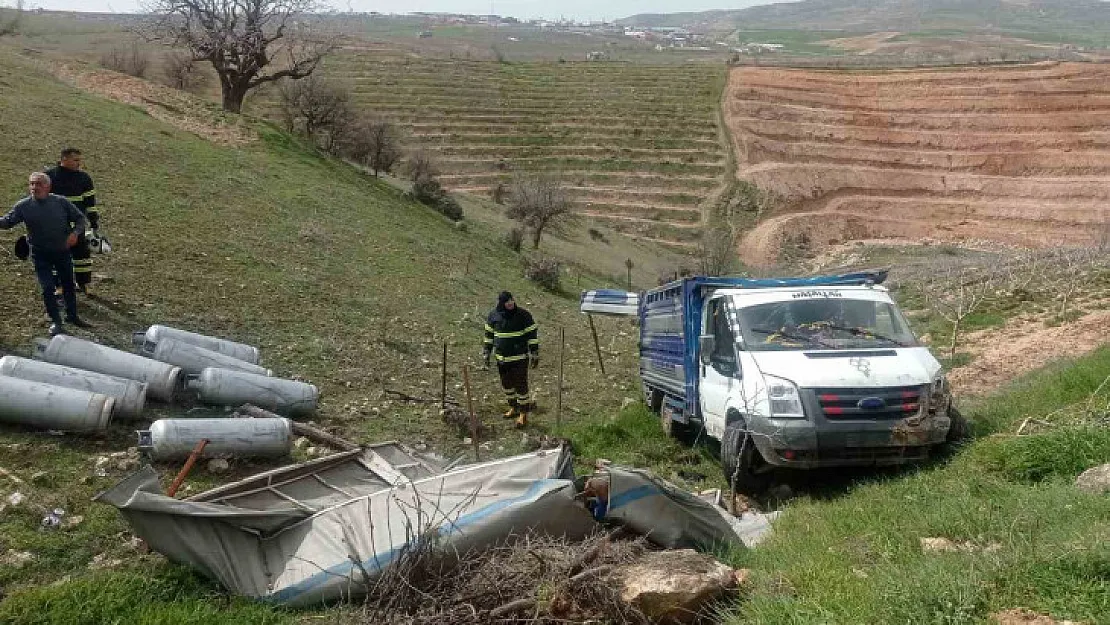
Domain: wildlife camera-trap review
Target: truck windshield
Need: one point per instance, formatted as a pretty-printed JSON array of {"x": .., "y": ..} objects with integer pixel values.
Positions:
[{"x": 823, "y": 323}]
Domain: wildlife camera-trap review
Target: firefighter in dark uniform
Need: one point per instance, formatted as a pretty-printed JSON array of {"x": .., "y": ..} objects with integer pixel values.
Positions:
[
  {"x": 70, "y": 182},
  {"x": 513, "y": 339}
]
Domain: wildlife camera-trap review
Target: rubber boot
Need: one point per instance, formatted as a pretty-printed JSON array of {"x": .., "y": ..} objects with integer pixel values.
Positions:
[
  {"x": 511, "y": 413},
  {"x": 522, "y": 420}
]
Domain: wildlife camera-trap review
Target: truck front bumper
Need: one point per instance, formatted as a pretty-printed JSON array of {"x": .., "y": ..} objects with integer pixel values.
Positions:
[{"x": 811, "y": 444}]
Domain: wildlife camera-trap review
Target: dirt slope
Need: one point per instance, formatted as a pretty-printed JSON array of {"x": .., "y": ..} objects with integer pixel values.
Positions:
[{"x": 1016, "y": 155}]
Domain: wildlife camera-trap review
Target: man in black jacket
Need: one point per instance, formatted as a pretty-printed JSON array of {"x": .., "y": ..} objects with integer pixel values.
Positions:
[
  {"x": 48, "y": 218},
  {"x": 69, "y": 181},
  {"x": 512, "y": 338}
]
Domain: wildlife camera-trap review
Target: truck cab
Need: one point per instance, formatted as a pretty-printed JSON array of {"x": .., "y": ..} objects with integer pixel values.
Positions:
[{"x": 802, "y": 373}]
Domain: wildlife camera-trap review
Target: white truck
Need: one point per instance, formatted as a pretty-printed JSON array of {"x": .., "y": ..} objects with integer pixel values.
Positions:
[{"x": 802, "y": 373}]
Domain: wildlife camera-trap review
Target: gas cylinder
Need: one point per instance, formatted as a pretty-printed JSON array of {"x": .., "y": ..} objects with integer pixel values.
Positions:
[
  {"x": 174, "y": 439},
  {"x": 130, "y": 395},
  {"x": 53, "y": 407},
  {"x": 162, "y": 380},
  {"x": 232, "y": 388},
  {"x": 193, "y": 359},
  {"x": 155, "y": 333}
]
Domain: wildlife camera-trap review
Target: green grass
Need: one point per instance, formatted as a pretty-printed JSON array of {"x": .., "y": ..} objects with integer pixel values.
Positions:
[
  {"x": 158, "y": 595},
  {"x": 856, "y": 558}
]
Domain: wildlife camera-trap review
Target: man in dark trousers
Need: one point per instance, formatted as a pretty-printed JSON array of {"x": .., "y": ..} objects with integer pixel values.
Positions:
[
  {"x": 69, "y": 181},
  {"x": 48, "y": 218},
  {"x": 512, "y": 338}
]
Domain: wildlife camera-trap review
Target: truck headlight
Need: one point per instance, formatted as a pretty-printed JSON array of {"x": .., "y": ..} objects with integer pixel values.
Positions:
[{"x": 786, "y": 401}]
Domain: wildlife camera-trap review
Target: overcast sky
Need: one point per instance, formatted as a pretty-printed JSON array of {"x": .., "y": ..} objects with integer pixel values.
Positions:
[{"x": 571, "y": 9}]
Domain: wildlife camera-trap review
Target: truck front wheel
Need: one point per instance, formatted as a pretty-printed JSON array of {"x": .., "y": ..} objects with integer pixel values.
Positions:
[{"x": 744, "y": 466}]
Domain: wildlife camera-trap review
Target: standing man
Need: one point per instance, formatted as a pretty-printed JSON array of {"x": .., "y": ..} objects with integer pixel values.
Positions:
[
  {"x": 69, "y": 181},
  {"x": 48, "y": 218},
  {"x": 512, "y": 337}
]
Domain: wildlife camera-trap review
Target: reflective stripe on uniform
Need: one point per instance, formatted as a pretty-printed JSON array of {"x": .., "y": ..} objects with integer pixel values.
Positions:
[
  {"x": 512, "y": 335},
  {"x": 501, "y": 358}
]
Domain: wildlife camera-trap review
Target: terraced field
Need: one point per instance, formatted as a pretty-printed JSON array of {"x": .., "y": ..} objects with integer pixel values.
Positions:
[
  {"x": 1019, "y": 155},
  {"x": 639, "y": 145}
]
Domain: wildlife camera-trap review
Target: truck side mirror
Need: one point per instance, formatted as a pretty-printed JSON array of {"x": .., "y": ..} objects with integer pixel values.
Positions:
[{"x": 706, "y": 344}]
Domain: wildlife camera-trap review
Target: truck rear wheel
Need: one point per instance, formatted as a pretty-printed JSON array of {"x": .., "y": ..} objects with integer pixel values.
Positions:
[{"x": 744, "y": 466}]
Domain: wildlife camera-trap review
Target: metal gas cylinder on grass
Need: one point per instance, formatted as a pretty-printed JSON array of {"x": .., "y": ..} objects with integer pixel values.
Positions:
[
  {"x": 225, "y": 387},
  {"x": 240, "y": 351},
  {"x": 130, "y": 395},
  {"x": 174, "y": 439},
  {"x": 162, "y": 380},
  {"x": 193, "y": 359},
  {"x": 53, "y": 407}
]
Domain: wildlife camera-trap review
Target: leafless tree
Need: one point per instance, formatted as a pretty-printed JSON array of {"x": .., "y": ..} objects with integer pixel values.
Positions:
[
  {"x": 317, "y": 107},
  {"x": 181, "y": 70},
  {"x": 374, "y": 143},
  {"x": 420, "y": 166},
  {"x": 248, "y": 42},
  {"x": 1075, "y": 269},
  {"x": 954, "y": 294},
  {"x": 716, "y": 251},
  {"x": 10, "y": 19},
  {"x": 131, "y": 60},
  {"x": 539, "y": 202}
]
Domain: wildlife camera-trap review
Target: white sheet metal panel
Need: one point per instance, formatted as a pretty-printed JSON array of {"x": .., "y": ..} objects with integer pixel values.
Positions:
[{"x": 610, "y": 302}]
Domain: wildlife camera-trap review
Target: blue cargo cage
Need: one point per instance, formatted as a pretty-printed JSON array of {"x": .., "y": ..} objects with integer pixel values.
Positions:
[{"x": 670, "y": 324}]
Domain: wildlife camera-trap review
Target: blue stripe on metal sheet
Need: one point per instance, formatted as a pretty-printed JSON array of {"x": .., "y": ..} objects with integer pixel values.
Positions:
[{"x": 380, "y": 560}]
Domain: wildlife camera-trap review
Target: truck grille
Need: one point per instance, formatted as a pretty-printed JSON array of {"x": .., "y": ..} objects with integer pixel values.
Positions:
[{"x": 870, "y": 403}]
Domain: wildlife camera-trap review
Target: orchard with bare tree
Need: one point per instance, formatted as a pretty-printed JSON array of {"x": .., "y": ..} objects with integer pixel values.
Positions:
[{"x": 248, "y": 42}]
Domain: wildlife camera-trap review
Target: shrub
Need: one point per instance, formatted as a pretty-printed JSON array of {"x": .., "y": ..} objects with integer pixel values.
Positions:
[
  {"x": 130, "y": 60},
  {"x": 427, "y": 191},
  {"x": 544, "y": 271},
  {"x": 450, "y": 207},
  {"x": 515, "y": 239}
]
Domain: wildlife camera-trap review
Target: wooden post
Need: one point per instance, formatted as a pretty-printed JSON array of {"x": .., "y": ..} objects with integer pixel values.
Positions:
[
  {"x": 470, "y": 407},
  {"x": 559, "y": 402},
  {"x": 597, "y": 346},
  {"x": 443, "y": 381},
  {"x": 184, "y": 472}
]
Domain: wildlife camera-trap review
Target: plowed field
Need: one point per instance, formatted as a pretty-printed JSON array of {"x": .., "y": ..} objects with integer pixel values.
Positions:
[{"x": 1019, "y": 155}]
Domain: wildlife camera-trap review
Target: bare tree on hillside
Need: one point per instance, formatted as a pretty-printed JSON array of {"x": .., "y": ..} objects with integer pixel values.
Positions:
[
  {"x": 1076, "y": 268},
  {"x": 131, "y": 60},
  {"x": 10, "y": 19},
  {"x": 182, "y": 71},
  {"x": 716, "y": 252},
  {"x": 421, "y": 166},
  {"x": 374, "y": 143},
  {"x": 316, "y": 107},
  {"x": 248, "y": 42},
  {"x": 539, "y": 202},
  {"x": 954, "y": 294}
]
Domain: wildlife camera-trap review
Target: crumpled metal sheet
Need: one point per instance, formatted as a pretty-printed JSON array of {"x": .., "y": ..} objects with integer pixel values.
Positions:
[{"x": 319, "y": 531}]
